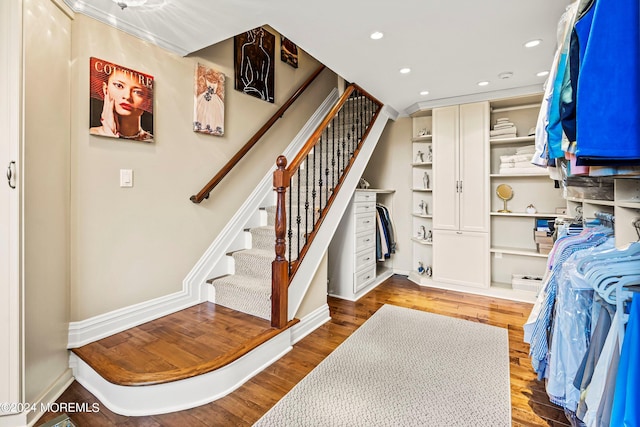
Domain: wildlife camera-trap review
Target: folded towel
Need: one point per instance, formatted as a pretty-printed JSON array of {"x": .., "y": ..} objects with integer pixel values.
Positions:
[
  {"x": 515, "y": 158},
  {"x": 525, "y": 164},
  {"x": 506, "y": 131},
  {"x": 516, "y": 171}
]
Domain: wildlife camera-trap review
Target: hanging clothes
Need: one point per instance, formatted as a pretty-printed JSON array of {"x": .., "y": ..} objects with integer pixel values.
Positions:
[
  {"x": 608, "y": 104},
  {"x": 385, "y": 233},
  {"x": 626, "y": 410}
]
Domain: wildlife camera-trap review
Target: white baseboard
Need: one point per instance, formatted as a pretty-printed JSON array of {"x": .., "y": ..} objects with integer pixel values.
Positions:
[
  {"x": 310, "y": 323},
  {"x": 104, "y": 325},
  {"x": 183, "y": 394},
  {"x": 38, "y": 408}
]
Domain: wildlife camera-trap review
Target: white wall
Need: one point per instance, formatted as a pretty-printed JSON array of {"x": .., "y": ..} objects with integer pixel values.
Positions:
[
  {"x": 316, "y": 295},
  {"x": 46, "y": 195},
  {"x": 389, "y": 169},
  {"x": 129, "y": 245}
]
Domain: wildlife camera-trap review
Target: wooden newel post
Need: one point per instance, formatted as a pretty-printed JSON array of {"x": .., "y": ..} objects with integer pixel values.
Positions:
[{"x": 280, "y": 266}]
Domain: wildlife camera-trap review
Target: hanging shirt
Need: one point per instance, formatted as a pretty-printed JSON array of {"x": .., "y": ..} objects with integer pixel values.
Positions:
[
  {"x": 608, "y": 99},
  {"x": 626, "y": 407}
]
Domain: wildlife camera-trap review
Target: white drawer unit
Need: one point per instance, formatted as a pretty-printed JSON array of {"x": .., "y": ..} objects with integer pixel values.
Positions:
[{"x": 353, "y": 267}]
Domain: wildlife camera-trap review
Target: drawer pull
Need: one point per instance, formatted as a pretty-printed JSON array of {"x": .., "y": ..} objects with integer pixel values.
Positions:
[
  {"x": 368, "y": 277},
  {"x": 367, "y": 222},
  {"x": 367, "y": 258},
  {"x": 368, "y": 240}
]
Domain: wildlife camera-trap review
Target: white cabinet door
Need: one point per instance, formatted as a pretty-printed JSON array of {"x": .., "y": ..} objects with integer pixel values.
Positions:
[
  {"x": 445, "y": 168},
  {"x": 10, "y": 31},
  {"x": 474, "y": 167},
  {"x": 461, "y": 167},
  {"x": 461, "y": 258}
]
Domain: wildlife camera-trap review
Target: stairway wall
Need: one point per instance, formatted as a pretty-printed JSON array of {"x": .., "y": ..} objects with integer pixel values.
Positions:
[{"x": 133, "y": 245}]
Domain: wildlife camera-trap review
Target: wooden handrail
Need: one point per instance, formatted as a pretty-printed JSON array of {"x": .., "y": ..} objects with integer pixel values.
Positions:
[
  {"x": 204, "y": 193},
  {"x": 282, "y": 270}
]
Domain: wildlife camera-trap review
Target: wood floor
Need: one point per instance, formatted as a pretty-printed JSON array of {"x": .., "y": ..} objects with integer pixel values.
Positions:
[{"x": 530, "y": 405}]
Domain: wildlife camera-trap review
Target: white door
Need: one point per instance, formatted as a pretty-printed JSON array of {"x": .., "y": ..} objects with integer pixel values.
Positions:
[
  {"x": 10, "y": 48},
  {"x": 445, "y": 168},
  {"x": 474, "y": 167}
]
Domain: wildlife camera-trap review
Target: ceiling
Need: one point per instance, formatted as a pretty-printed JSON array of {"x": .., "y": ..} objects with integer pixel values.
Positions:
[{"x": 449, "y": 45}]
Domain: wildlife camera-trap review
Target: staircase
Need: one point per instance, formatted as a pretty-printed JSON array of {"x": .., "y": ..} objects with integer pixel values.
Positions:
[
  {"x": 248, "y": 288},
  {"x": 239, "y": 265}
]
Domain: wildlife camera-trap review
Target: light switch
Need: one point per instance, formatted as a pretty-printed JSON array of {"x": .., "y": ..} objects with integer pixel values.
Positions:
[{"x": 126, "y": 178}]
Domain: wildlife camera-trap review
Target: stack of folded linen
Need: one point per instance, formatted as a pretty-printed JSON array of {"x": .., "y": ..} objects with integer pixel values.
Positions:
[
  {"x": 503, "y": 129},
  {"x": 520, "y": 162}
]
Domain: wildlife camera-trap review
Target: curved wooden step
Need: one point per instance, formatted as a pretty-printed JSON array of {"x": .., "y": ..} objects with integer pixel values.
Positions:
[{"x": 191, "y": 342}]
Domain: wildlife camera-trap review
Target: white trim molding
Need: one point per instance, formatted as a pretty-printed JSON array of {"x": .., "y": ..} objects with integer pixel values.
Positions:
[
  {"x": 310, "y": 323},
  {"x": 183, "y": 394},
  {"x": 30, "y": 418}
]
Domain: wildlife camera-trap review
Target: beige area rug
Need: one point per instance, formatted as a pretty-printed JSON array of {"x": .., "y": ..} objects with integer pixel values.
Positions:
[{"x": 405, "y": 367}]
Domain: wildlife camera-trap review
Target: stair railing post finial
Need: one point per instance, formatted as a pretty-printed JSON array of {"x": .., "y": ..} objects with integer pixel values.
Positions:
[{"x": 280, "y": 266}]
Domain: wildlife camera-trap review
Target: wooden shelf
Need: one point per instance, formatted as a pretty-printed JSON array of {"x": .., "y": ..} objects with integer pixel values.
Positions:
[
  {"x": 592, "y": 201},
  {"x": 377, "y": 190},
  {"x": 516, "y": 140},
  {"x": 516, "y": 251},
  {"x": 421, "y": 241},
  {"x": 425, "y": 138},
  {"x": 422, "y": 189},
  {"x": 519, "y": 175},
  {"x": 523, "y": 214},
  {"x": 632, "y": 205},
  {"x": 421, "y": 216},
  {"x": 422, "y": 164}
]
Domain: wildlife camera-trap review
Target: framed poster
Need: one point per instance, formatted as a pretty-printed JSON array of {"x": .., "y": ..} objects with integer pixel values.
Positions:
[
  {"x": 208, "y": 108},
  {"x": 254, "y": 63},
  {"x": 121, "y": 102},
  {"x": 288, "y": 52}
]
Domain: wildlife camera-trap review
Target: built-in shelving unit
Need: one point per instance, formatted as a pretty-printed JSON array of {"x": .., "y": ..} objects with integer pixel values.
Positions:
[
  {"x": 513, "y": 248},
  {"x": 421, "y": 248},
  {"x": 354, "y": 267}
]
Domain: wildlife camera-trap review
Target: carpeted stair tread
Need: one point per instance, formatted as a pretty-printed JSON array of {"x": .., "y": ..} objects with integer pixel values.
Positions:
[
  {"x": 251, "y": 295},
  {"x": 254, "y": 262},
  {"x": 264, "y": 238}
]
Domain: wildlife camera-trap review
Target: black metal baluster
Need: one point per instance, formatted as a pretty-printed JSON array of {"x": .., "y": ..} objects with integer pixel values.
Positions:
[
  {"x": 359, "y": 118},
  {"x": 353, "y": 129},
  {"x": 333, "y": 154},
  {"x": 344, "y": 139},
  {"x": 306, "y": 201},
  {"x": 298, "y": 218},
  {"x": 326, "y": 167},
  {"x": 313, "y": 192},
  {"x": 320, "y": 183}
]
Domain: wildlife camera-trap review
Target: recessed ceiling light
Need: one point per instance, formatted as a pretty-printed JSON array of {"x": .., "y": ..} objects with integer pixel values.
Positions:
[
  {"x": 505, "y": 75},
  {"x": 533, "y": 43},
  {"x": 483, "y": 83},
  {"x": 542, "y": 73},
  {"x": 377, "y": 35},
  {"x": 405, "y": 70},
  {"x": 424, "y": 92}
]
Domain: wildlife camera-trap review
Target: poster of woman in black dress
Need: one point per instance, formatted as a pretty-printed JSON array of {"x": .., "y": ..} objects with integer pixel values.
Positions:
[{"x": 254, "y": 63}]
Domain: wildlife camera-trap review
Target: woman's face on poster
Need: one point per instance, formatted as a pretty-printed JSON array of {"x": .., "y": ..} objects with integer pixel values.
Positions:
[{"x": 129, "y": 97}]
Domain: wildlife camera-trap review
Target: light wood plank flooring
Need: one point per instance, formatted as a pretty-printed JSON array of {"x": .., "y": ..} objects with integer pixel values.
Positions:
[{"x": 530, "y": 405}]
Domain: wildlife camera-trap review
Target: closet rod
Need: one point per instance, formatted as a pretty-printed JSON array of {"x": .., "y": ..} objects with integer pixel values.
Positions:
[{"x": 517, "y": 107}]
